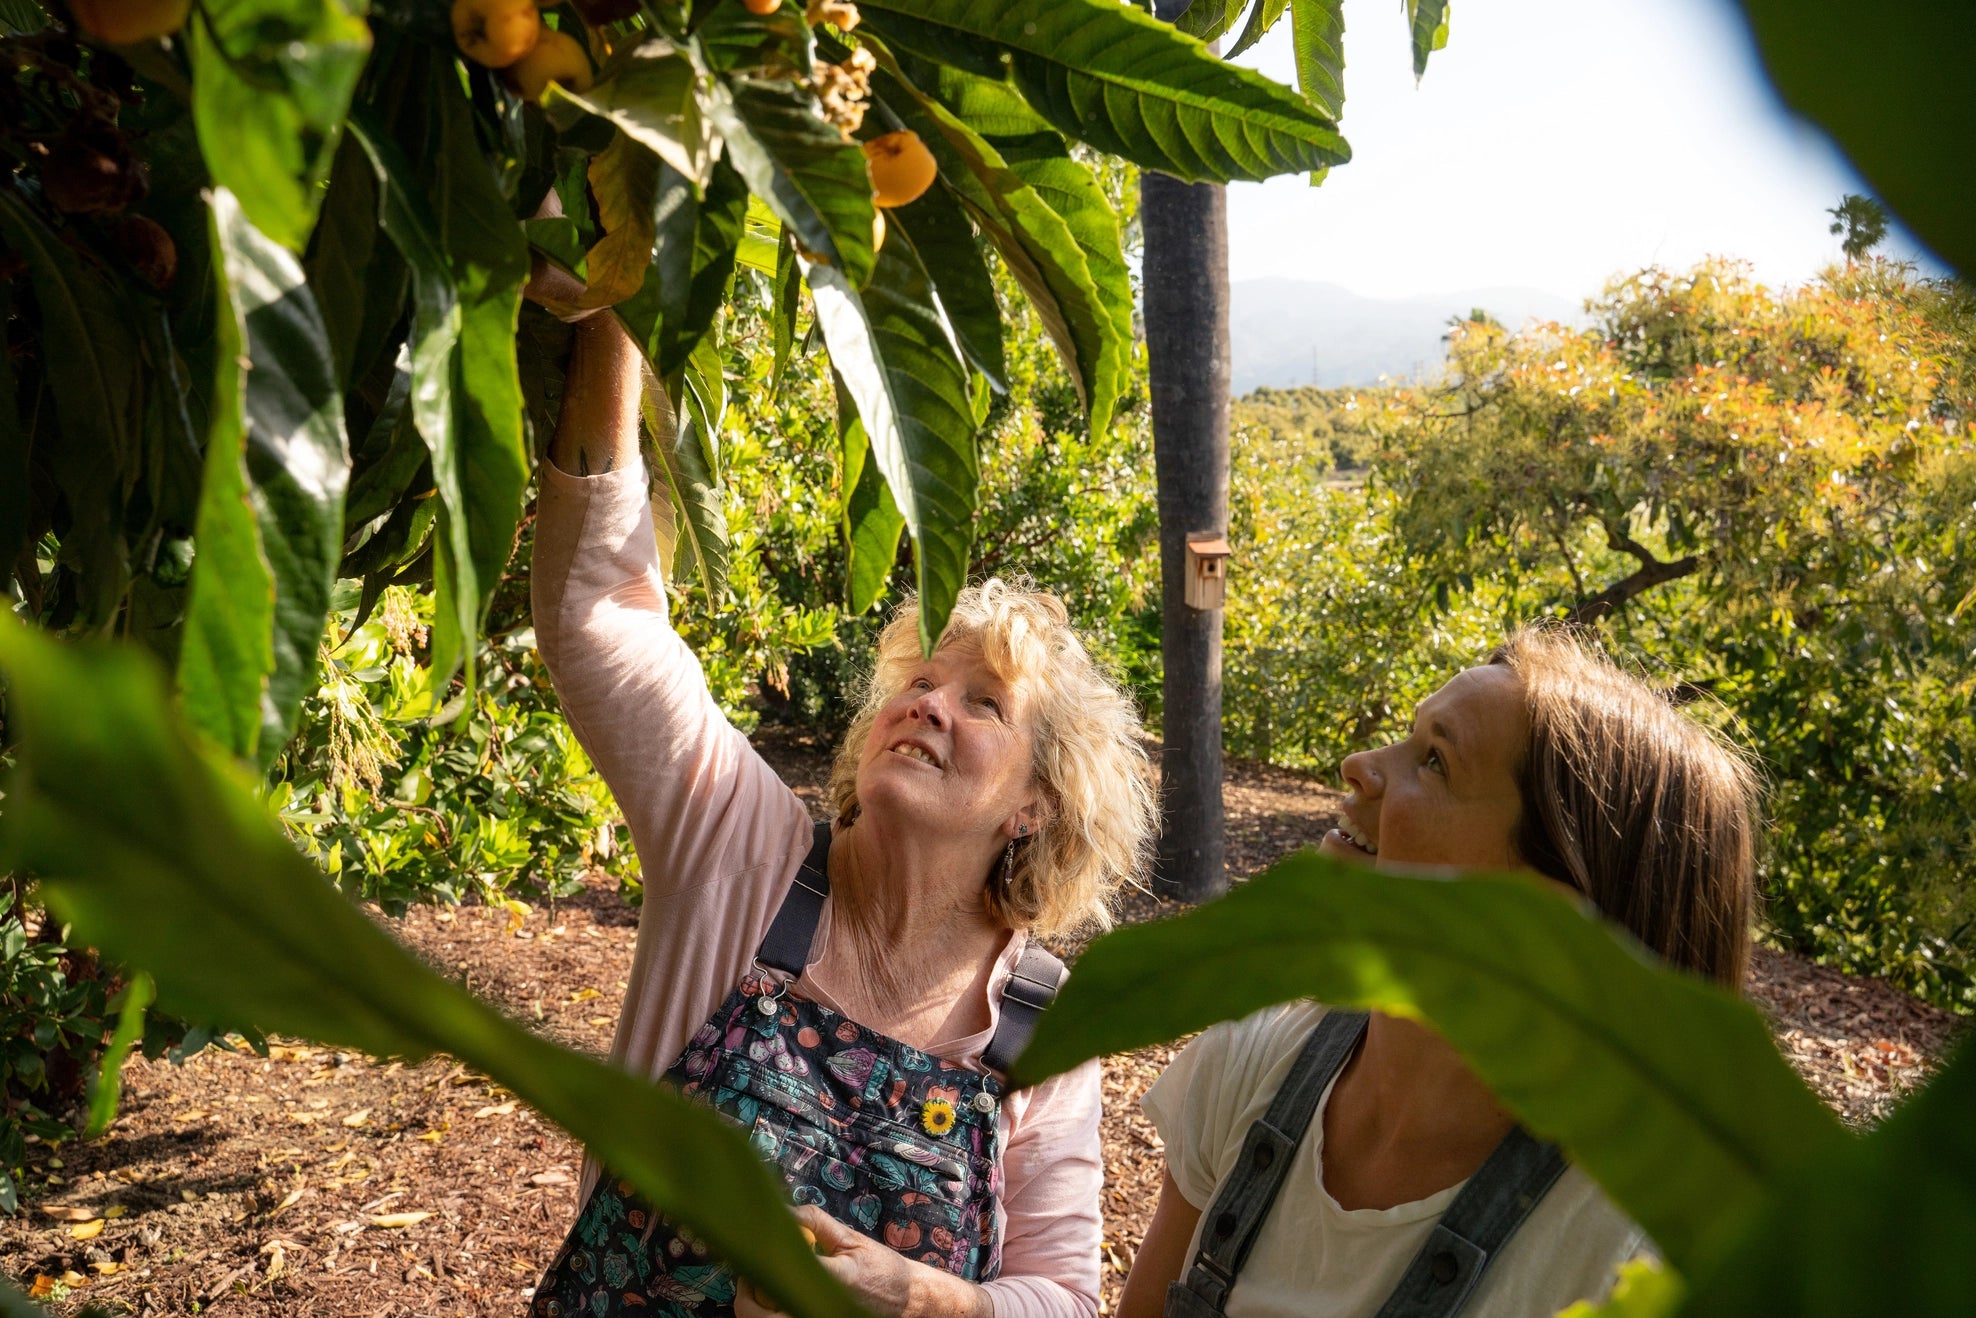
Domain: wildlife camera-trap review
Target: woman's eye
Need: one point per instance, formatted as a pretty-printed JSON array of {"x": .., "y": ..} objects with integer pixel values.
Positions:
[
  {"x": 992, "y": 705},
  {"x": 922, "y": 684},
  {"x": 1435, "y": 762}
]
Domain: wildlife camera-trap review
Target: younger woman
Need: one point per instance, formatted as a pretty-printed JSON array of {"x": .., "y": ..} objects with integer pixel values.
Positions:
[{"x": 1387, "y": 1181}]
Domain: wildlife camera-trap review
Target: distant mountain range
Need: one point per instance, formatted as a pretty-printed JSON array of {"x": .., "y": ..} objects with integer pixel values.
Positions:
[{"x": 1286, "y": 332}]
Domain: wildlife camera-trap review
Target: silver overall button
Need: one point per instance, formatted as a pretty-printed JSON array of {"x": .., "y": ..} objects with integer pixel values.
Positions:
[{"x": 984, "y": 1102}]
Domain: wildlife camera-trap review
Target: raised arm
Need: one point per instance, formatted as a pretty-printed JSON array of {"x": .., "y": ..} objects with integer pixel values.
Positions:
[
  {"x": 701, "y": 804},
  {"x": 598, "y": 428}
]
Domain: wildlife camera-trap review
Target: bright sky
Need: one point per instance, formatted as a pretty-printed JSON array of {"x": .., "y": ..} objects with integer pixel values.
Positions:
[{"x": 1551, "y": 145}]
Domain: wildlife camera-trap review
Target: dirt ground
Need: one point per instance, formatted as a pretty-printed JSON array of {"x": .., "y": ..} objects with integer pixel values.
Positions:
[{"x": 319, "y": 1182}]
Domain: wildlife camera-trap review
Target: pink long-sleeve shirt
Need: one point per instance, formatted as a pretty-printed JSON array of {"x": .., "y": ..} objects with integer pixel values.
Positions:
[{"x": 719, "y": 837}]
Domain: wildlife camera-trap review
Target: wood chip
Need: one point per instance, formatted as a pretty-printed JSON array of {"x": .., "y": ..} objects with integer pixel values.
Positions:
[{"x": 399, "y": 1219}]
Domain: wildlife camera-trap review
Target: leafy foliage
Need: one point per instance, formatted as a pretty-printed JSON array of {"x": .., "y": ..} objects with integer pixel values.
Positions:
[
  {"x": 178, "y": 868},
  {"x": 1767, "y": 495},
  {"x": 499, "y": 807},
  {"x": 1573, "y": 1027},
  {"x": 58, "y": 1001},
  {"x": 1645, "y": 1075}
]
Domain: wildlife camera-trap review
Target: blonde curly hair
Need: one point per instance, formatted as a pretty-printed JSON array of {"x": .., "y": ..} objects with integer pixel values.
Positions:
[{"x": 1101, "y": 817}]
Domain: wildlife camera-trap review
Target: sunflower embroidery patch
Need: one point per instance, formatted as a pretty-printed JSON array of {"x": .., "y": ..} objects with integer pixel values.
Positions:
[{"x": 936, "y": 1116}]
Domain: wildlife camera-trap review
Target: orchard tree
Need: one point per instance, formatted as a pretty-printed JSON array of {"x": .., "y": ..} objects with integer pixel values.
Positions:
[
  {"x": 1772, "y": 493},
  {"x": 143, "y": 408},
  {"x": 1187, "y": 351},
  {"x": 264, "y": 330},
  {"x": 266, "y": 333},
  {"x": 1861, "y": 224}
]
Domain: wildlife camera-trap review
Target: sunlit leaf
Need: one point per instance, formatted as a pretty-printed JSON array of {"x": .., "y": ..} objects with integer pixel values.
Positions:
[
  {"x": 651, "y": 98},
  {"x": 1262, "y": 18},
  {"x": 272, "y": 81},
  {"x": 943, "y": 238},
  {"x": 160, "y": 856},
  {"x": 811, "y": 177},
  {"x": 892, "y": 351},
  {"x": 227, "y": 653},
  {"x": 298, "y": 466},
  {"x": 1665, "y": 1089},
  {"x": 1033, "y": 241},
  {"x": 698, "y": 534},
  {"x": 624, "y": 178},
  {"x": 1317, "y": 36},
  {"x": 1209, "y": 20},
  {"x": 1072, "y": 191},
  {"x": 408, "y": 220},
  {"x": 1112, "y": 75},
  {"x": 1428, "y": 21},
  {"x": 468, "y": 260}
]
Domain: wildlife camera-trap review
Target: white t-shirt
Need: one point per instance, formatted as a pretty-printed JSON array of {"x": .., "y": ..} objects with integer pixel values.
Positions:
[{"x": 1313, "y": 1257}]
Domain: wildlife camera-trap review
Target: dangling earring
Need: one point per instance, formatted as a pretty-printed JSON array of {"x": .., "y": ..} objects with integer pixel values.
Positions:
[{"x": 1008, "y": 864}]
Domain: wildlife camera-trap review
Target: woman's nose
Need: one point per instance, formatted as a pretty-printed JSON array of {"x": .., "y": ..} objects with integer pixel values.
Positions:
[
  {"x": 1361, "y": 772},
  {"x": 931, "y": 706}
]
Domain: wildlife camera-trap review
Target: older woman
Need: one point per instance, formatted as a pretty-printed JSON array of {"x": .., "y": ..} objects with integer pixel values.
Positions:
[
  {"x": 847, "y": 992},
  {"x": 1331, "y": 1164}
]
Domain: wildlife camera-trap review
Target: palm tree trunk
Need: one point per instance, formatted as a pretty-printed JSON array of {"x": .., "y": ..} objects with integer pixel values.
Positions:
[{"x": 1186, "y": 305}]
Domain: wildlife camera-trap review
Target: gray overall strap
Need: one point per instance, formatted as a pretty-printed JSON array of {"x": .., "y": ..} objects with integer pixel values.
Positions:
[
  {"x": 1032, "y": 986},
  {"x": 786, "y": 945},
  {"x": 1477, "y": 1224},
  {"x": 1238, "y": 1212}
]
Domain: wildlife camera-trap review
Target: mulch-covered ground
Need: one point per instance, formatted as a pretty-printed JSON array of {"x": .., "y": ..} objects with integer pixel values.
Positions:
[{"x": 317, "y": 1182}]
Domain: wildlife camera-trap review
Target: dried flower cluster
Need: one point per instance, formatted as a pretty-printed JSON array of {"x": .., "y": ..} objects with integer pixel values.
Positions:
[
  {"x": 838, "y": 12},
  {"x": 844, "y": 88}
]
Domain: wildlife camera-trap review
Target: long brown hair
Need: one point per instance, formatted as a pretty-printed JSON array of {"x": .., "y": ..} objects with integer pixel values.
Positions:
[{"x": 1643, "y": 809}]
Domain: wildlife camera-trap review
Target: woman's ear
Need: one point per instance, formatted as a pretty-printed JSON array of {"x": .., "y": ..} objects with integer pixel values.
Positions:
[{"x": 1023, "y": 823}]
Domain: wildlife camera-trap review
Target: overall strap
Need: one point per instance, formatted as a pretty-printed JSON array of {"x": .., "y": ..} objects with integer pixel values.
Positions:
[
  {"x": 1238, "y": 1212},
  {"x": 1477, "y": 1224},
  {"x": 786, "y": 945},
  {"x": 1032, "y": 986}
]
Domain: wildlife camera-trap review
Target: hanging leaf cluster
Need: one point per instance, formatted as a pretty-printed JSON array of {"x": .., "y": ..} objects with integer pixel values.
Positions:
[{"x": 266, "y": 262}]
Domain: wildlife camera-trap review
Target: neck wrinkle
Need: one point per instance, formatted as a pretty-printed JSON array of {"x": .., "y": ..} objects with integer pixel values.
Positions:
[{"x": 909, "y": 931}]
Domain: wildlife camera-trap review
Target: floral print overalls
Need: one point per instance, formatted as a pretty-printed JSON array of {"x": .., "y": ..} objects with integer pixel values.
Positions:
[{"x": 901, "y": 1145}]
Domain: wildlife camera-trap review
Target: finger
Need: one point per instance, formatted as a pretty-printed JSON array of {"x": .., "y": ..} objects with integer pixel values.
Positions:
[
  {"x": 551, "y": 207},
  {"x": 831, "y": 1235},
  {"x": 751, "y": 1303}
]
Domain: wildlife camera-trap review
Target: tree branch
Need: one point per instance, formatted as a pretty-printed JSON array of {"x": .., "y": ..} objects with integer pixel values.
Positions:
[{"x": 1652, "y": 572}]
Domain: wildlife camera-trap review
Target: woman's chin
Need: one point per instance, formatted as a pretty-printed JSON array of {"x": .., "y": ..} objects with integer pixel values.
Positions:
[{"x": 893, "y": 797}]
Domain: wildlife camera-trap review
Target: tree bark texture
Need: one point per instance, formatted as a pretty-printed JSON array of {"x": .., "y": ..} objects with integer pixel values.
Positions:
[{"x": 1186, "y": 305}]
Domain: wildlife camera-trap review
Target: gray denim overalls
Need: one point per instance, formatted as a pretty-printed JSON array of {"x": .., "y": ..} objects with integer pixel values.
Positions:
[{"x": 1442, "y": 1275}]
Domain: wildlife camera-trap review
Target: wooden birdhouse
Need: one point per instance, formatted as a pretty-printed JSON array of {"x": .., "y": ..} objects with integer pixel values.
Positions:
[{"x": 1207, "y": 571}]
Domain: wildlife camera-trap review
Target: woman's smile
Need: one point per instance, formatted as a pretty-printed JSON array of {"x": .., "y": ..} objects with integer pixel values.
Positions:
[{"x": 918, "y": 753}]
